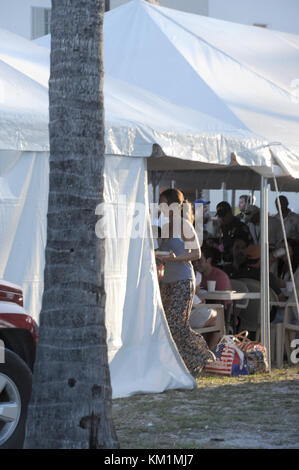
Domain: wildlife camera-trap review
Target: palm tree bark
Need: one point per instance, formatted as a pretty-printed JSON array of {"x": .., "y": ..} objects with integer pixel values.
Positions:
[{"x": 71, "y": 398}]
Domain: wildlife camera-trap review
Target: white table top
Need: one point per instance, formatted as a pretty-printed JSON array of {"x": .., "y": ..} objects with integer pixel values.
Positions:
[{"x": 229, "y": 295}]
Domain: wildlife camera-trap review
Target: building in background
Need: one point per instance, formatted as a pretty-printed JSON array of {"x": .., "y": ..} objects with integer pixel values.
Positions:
[
  {"x": 31, "y": 18},
  {"x": 28, "y": 18}
]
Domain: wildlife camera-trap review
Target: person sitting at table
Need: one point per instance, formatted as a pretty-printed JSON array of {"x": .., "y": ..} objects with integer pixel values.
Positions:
[
  {"x": 231, "y": 228},
  {"x": 290, "y": 219},
  {"x": 239, "y": 258},
  {"x": 203, "y": 316},
  {"x": 283, "y": 270},
  {"x": 206, "y": 266},
  {"x": 284, "y": 274},
  {"x": 246, "y": 264},
  {"x": 278, "y": 318},
  {"x": 252, "y": 219}
]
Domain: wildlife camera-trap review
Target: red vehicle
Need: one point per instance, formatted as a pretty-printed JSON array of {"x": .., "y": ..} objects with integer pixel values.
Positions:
[{"x": 18, "y": 339}]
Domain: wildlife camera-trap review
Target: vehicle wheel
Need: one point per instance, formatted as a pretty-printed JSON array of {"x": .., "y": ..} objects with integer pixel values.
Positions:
[{"x": 15, "y": 392}]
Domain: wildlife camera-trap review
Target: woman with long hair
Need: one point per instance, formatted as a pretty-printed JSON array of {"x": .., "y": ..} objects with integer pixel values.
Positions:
[{"x": 180, "y": 240}]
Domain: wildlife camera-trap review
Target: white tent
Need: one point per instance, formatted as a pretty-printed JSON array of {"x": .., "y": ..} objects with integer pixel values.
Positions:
[
  {"x": 142, "y": 355},
  {"x": 174, "y": 98},
  {"x": 226, "y": 87}
]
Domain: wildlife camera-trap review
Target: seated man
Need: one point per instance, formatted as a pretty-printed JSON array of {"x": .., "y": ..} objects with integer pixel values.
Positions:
[
  {"x": 246, "y": 264},
  {"x": 206, "y": 265},
  {"x": 290, "y": 219},
  {"x": 231, "y": 228},
  {"x": 252, "y": 219},
  {"x": 205, "y": 271}
]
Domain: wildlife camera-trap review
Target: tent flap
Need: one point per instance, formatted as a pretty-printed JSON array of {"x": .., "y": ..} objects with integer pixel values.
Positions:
[{"x": 142, "y": 355}]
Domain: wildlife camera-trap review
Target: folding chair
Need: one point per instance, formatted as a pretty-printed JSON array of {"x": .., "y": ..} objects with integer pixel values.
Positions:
[
  {"x": 220, "y": 325},
  {"x": 287, "y": 332}
]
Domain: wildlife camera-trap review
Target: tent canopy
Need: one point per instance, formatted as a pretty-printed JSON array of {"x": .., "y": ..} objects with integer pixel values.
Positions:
[
  {"x": 239, "y": 75},
  {"x": 199, "y": 88},
  {"x": 23, "y": 55},
  {"x": 24, "y": 72}
]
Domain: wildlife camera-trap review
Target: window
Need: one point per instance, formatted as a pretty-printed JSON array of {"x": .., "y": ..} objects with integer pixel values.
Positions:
[{"x": 40, "y": 21}]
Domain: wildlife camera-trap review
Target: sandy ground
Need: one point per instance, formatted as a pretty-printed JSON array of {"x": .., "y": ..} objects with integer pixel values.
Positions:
[{"x": 259, "y": 413}]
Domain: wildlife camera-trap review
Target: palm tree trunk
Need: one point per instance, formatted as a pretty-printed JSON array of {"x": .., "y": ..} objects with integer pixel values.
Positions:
[{"x": 71, "y": 398}]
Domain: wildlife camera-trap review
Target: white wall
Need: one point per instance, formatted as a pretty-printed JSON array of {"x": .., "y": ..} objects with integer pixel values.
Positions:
[
  {"x": 15, "y": 15},
  {"x": 282, "y": 15}
]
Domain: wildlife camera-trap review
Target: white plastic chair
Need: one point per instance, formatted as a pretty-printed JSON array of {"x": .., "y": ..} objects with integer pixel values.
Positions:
[
  {"x": 286, "y": 333},
  {"x": 220, "y": 324},
  {"x": 240, "y": 286}
]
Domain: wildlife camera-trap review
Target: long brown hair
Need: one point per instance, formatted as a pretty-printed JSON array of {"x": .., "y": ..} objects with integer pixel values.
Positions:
[{"x": 176, "y": 196}]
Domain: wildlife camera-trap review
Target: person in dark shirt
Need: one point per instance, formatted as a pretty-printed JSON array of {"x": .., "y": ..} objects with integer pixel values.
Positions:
[
  {"x": 246, "y": 264},
  {"x": 244, "y": 203},
  {"x": 231, "y": 228}
]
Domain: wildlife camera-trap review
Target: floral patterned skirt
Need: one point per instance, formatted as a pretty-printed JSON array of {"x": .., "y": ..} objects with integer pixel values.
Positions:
[{"x": 177, "y": 298}]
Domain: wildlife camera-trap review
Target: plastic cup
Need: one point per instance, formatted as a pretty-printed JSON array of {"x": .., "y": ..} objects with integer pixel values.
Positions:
[{"x": 211, "y": 286}]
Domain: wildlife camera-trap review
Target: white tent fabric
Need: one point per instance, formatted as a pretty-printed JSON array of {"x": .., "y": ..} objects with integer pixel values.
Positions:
[
  {"x": 24, "y": 182},
  {"x": 142, "y": 356},
  {"x": 173, "y": 79},
  {"x": 24, "y": 112},
  {"x": 24, "y": 165},
  {"x": 23, "y": 55},
  {"x": 24, "y": 73},
  {"x": 215, "y": 84},
  {"x": 239, "y": 74}
]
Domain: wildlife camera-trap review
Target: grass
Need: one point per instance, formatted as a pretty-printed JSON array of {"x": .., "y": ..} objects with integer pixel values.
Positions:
[{"x": 258, "y": 411}]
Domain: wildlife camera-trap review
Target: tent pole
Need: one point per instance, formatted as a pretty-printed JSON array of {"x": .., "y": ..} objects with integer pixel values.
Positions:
[
  {"x": 265, "y": 297},
  {"x": 233, "y": 201},
  {"x": 224, "y": 192},
  {"x": 157, "y": 193}
]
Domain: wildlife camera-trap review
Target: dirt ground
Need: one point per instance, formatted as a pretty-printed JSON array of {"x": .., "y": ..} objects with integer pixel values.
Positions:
[{"x": 253, "y": 412}]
